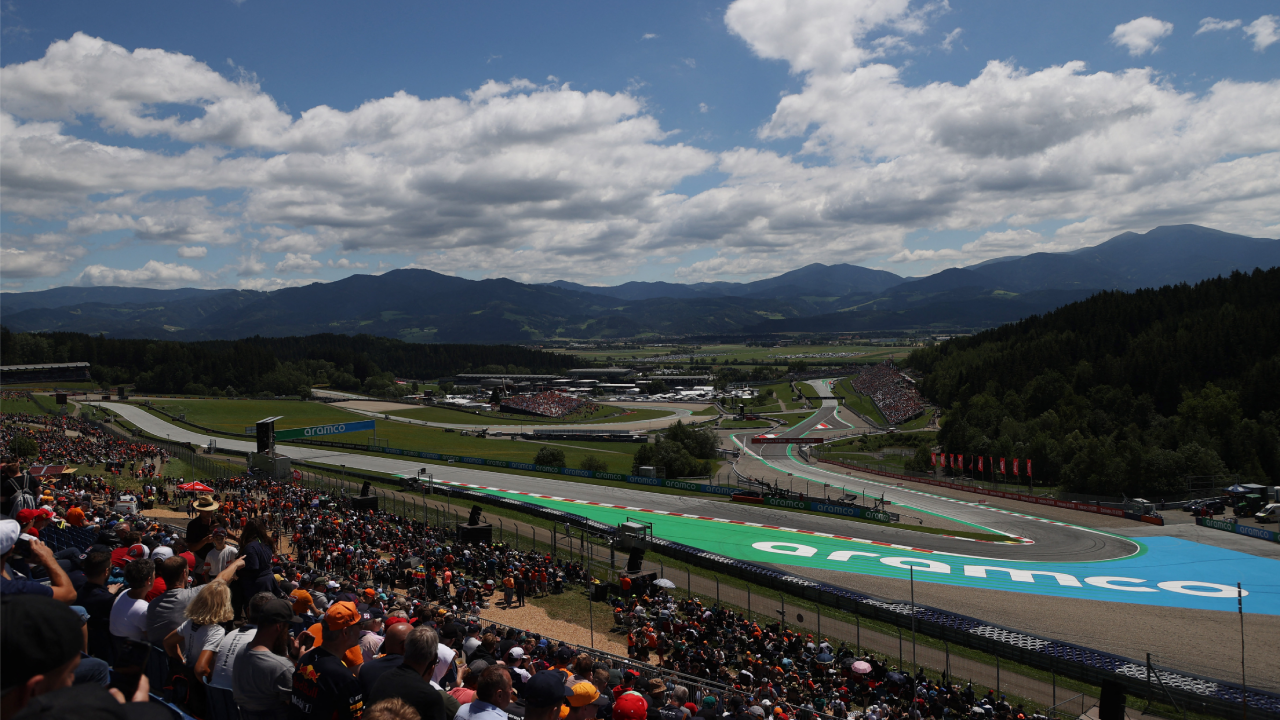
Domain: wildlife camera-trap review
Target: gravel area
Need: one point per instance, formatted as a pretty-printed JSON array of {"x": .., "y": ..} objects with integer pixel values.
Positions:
[
  {"x": 532, "y": 618},
  {"x": 1204, "y": 642}
]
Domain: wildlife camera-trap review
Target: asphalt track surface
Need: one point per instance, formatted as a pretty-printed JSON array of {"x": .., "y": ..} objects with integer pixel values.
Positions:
[{"x": 1050, "y": 541}]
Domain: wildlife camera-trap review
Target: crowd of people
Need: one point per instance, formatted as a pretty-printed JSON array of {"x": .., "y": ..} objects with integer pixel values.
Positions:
[
  {"x": 893, "y": 394},
  {"x": 546, "y": 404},
  {"x": 67, "y": 440},
  {"x": 293, "y": 604}
]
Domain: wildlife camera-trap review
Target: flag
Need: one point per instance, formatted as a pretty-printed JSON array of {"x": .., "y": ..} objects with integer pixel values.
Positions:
[
  {"x": 1028, "y": 467},
  {"x": 1001, "y": 464},
  {"x": 1015, "y": 466},
  {"x": 944, "y": 459},
  {"x": 979, "y": 463},
  {"x": 933, "y": 459}
]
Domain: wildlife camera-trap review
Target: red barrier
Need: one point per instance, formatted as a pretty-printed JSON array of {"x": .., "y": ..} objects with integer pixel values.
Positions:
[{"x": 1065, "y": 504}]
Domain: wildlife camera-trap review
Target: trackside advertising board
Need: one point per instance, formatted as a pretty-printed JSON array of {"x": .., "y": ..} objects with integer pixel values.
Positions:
[
  {"x": 766, "y": 440},
  {"x": 1260, "y": 533},
  {"x": 318, "y": 431}
]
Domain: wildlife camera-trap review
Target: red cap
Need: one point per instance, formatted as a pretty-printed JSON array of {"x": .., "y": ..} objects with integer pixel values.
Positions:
[{"x": 630, "y": 706}]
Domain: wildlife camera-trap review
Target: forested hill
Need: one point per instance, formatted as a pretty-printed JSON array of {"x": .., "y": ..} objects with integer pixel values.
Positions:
[
  {"x": 280, "y": 365},
  {"x": 1124, "y": 392}
]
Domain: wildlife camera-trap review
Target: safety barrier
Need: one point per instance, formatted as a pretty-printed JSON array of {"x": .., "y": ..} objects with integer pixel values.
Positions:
[
  {"x": 1231, "y": 527},
  {"x": 825, "y": 508},
  {"x": 1065, "y": 504}
]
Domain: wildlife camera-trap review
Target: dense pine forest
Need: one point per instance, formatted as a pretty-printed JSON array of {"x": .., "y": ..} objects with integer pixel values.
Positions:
[
  {"x": 1140, "y": 393},
  {"x": 281, "y": 366}
]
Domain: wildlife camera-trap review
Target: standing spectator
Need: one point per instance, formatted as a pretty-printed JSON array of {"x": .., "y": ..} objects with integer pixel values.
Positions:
[
  {"x": 257, "y": 549},
  {"x": 13, "y": 584},
  {"x": 195, "y": 642},
  {"x": 392, "y": 657},
  {"x": 235, "y": 641},
  {"x": 262, "y": 675},
  {"x": 168, "y": 611},
  {"x": 220, "y": 556},
  {"x": 198, "y": 530},
  {"x": 324, "y": 688},
  {"x": 407, "y": 681},
  {"x": 544, "y": 694}
]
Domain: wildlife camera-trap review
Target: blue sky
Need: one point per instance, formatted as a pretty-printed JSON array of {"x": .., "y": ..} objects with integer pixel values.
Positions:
[{"x": 221, "y": 144}]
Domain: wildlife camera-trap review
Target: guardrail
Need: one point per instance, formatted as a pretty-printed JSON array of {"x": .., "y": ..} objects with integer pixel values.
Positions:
[{"x": 1065, "y": 504}]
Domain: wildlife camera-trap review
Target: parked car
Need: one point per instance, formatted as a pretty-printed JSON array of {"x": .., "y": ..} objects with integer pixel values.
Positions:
[
  {"x": 1213, "y": 504},
  {"x": 1268, "y": 514}
]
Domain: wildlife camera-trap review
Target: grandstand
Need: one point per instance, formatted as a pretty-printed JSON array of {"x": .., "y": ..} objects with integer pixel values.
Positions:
[
  {"x": 544, "y": 404},
  {"x": 894, "y": 394},
  {"x": 50, "y": 374}
]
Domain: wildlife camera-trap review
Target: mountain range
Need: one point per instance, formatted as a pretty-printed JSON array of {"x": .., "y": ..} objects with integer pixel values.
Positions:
[{"x": 424, "y": 306}]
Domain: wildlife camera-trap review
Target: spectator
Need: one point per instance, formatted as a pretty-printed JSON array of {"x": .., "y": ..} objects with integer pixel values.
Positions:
[
  {"x": 630, "y": 705},
  {"x": 584, "y": 700},
  {"x": 40, "y": 640},
  {"x": 195, "y": 642},
  {"x": 470, "y": 677},
  {"x": 493, "y": 695},
  {"x": 168, "y": 611},
  {"x": 198, "y": 537},
  {"x": 324, "y": 688},
  {"x": 97, "y": 600},
  {"x": 370, "y": 640},
  {"x": 544, "y": 694},
  {"x": 129, "y": 613},
  {"x": 392, "y": 657},
  {"x": 391, "y": 709},
  {"x": 13, "y": 584},
  {"x": 407, "y": 682},
  {"x": 262, "y": 675},
  {"x": 235, "y": 641},
  {"x": 219, "y": 556}
]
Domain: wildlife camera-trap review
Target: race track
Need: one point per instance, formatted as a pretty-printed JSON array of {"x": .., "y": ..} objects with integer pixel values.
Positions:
[{"x": 1061, "y": 559}]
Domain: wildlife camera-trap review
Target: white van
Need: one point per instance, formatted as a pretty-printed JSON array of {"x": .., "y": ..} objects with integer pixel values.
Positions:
[{"x": 1268, "y": 514}]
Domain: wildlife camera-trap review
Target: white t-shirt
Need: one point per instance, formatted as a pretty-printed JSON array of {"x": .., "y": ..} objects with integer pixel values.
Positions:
[
  {"x": 233, "y": 643},
  {"x": 129, "y": 618},
  {"x": 218, "y": 560},
  {"x": 197, "y": 640}
]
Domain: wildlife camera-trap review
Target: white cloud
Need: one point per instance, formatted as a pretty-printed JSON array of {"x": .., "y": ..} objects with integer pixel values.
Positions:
[
  {"x": 268, "y": 284},
  {"x": 1211, "y": 24},
  {"x": 690, "y": 62},
  {"x": 703, "y": 108},
  {"x": 167, "y": 222},
  {"x": 1140, "y": 36},
  {"x": 344, "y": 263},
  {"x": 195, "y": 251},
  {"x": 249, "y": 265},
  {"x": 1265, "y": 31},
  {"x": 35, "y": 261},
  {"x": 295, "y": 243},
  {"x": 298, "y": 262},
  {"x": 948, "y": 43},
  {"x": 648, "y": 36},
  {"x": 154, "y": 274}
]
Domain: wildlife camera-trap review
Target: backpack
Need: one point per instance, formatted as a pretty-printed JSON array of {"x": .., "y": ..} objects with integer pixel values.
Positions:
[{"x": 22, "y": 497}]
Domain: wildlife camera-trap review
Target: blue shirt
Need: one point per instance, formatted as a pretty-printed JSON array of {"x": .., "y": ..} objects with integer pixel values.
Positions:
[
  {"x": 19, "y": 585},
  {"x": 480, "y": 710}
]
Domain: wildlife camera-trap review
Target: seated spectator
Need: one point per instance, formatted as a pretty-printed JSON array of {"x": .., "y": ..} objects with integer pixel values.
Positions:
[
  {"x": 235, "y": 641},
  {"x": 13, "y": 584},
  {"x": 262, "y": 676},
  {"x": 493, "y": 695},
  {"x": 97, "y": 600},
  {"x": 392, "y": 657},
  {"x": 129, "y": 612},
  {"x": 391, "y": 709},
  {"x": 322, "y": 686},
  {"x": 407, "y": 682},
  {"x": 195, "y": 642},
  {"x": 41, "y": 648},
  {"x": 168, "y": 610},
  {"x": 544, "y": 694}
]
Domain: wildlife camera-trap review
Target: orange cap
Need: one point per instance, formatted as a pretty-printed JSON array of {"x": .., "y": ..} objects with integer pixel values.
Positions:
[{"x": 342, "y": 615}]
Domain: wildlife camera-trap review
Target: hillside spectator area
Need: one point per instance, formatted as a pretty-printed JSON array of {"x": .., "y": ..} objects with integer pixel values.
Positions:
[
  {"x": 546, "y": 404},
  {"x": 894, "y": 394}
]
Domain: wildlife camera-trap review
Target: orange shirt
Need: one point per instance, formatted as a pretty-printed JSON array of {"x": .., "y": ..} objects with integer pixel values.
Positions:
[
  {"x": 350, "y": 658},
  {"x": 75, "y": 516}
]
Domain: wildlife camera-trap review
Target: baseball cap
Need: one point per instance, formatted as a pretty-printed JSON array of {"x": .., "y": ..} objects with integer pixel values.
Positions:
[
  {"x": 274, "y": 611},
  {"x": 45, "y": 633},
  {"x": 478, "y": 666},
  {"x": 709, "y": 700},
  {"x": 583, "y": 693},
  {"x": 342, "y": 615},
  {"x": 544, "y": 690},
  {"x": 564, "y": 653},
  {"x": 516, "y": 653},
  {"x": 9, "y": 532},
  {"x": 219, "y": 532},
  {"x": 630, "y": 706},
  {"x": 756, "y": 710}
]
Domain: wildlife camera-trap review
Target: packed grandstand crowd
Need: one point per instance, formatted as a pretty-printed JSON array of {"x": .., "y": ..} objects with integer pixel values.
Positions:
[
  {"x": 546, "y": 404},
  {"x": 278, "y": 600},
  {"x": 894, "y": 395},
  {"x": 64, "y": 440}
]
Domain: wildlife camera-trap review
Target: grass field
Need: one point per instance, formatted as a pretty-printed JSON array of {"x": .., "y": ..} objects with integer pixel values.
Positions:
[
  {"x": 232, "y": 416},
  {"x": 792, "y": 418},
  {"x": 920, "y": 422},
  {"x": 608, "y": 414},
  {"x": 710, "y": 410},
  {"x": 891, "y": 461},
  {"x": 43, "y": 405},
  {"x": 744, "y": 424}
]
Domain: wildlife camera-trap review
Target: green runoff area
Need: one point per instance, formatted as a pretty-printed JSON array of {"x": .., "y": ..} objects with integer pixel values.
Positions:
[
  {"x": 231, "y": 417},
  {"x": 606, "y": 414},
  {"x": 42, "y": 405}
]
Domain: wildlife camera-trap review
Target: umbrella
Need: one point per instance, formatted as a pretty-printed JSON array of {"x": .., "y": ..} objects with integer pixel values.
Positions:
[
  {"x": 862, "y": 667},
  {"x": 664, "y": 583},
  {"x": 825, "y": 658},
  {"x": 194, "y": 486},
  {"x": 895, "y": 677}
]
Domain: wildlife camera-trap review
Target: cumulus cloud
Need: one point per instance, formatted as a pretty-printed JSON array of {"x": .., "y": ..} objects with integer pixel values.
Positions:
[
  {"x": 1211, "y": 24},
  {"x": 344, "y": 264},
  {"x": 154, "y": 274},
  {"x": 1141, "y": 36},
  {"x": 297, "y": 263},
  {"x": 195, "y": 251},
  {"x": 269, "y": 284},
  {"x": 1265, "y": 31},
  {"x": 36, "y": 259},
  {"x": 648, "y": 36},
  {"x": 294, "y": 243}
]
